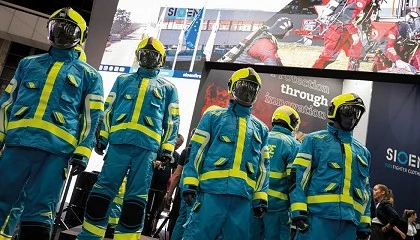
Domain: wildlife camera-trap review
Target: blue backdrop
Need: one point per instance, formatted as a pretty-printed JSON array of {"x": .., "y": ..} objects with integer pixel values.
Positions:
[{"x": 393, "y": 139}]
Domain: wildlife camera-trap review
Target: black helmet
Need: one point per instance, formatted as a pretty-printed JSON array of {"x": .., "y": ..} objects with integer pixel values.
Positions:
[{"x": 66, "y": 28}]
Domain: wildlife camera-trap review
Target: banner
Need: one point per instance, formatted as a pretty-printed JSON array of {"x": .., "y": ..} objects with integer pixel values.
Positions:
[
  {"x": 394, "y": 141},
  {"x": 309, "y": 96}
]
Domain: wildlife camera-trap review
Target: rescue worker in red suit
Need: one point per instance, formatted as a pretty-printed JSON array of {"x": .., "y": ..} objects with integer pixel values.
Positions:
[
  {"x": 342, "y": 32},
  {"x": 402, "y": 48},
  {"x": 264, "y": 47}
]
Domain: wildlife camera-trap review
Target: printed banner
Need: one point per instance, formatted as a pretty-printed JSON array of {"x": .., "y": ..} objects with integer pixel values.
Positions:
[
  {"x": 367, "y": 36},
  {"x": 309, "y": 96},
  {"x": 394, "y": 142}
]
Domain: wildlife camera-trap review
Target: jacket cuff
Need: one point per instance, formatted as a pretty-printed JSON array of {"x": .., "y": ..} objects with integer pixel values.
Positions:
[
  {"x": 168, "y": 147},
  {"x": 104, "y": 135},
  {"x": 191, "y": 181},
  {"x": 79, "y": 159},
  {"x": 260, "y": 196},
  {"x": 298, "y": 209},
  {"x": 83, "y": 151}
]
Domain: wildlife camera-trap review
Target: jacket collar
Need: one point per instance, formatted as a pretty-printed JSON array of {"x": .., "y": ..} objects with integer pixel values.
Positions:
[
  {"x": 240, "y": 110},
  {"x": 144, "y": 73},
  {"x": 277, "y": 128},
  {"x": 344, "y": 136},
  {"x": 63, "y": 55}
]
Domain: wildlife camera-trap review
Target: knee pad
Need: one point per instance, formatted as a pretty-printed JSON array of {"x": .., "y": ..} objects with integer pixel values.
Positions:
[
  {"x": 97, "y": 207},
  {"x": 132, "y": 214},
  {"x": 34, "y": 231}
]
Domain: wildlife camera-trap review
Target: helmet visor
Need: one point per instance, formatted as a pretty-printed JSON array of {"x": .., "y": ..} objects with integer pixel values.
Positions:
[
  {"x": 63, "y": 34},
  {"x": 245, "y": 92},
  {"x": 351, "y": 110},
  {"x": 149, "y": 59}
]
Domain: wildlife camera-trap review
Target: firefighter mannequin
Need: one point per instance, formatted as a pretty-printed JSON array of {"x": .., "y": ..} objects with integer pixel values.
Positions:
[
  {"x": 50, "y": 112},
  {"x": 13, "y": 219},
  {"x": 342, "y": 32},
  {"x": 329, "y": 179},
  {"x": 283, "y": 148},
  {"x": 227, "y": 172},
  {"x": 141, "y": 119}
]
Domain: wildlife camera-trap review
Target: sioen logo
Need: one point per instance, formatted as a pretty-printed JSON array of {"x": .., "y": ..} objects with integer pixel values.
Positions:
[{"x": 403, "y": 158}]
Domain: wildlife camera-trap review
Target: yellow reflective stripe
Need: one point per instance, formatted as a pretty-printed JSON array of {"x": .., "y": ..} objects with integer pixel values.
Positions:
[
  {"x": 335, "y": 198},
  {"x": 104, "y": 134},
  {"x": 260, "y": 196},
  {"x": 87, "y": 120},
  {"x": 20, "y": 111},
  {"x": 110, "y": 100},
  {"x": 277, "y": 194},
  {"x": 44, "y": 125},
  {"x": 120, "y": 117},
  {"x": 4, "y": 118},
  {"x": 299, "y": 207},
  {"x": 84, "y": 151},
  {"x": 126, "y": 236},
  {"x": 277, "y": 175},
  {"x": 330, "y": 186},
  {"x": 198, "y": 138},
  {"x": 335, "y": 165},
  {"x": 2, "y": 136},
  {"x": 266, "y": 153},
  {"x": 240, "y": 144},
  {"x": 347, "y": 168},
  {"x": 98, "y": 231},
  {"x": 113, "y": 220},
  {"x": 138, "y": 127},
  {"x": 364, "y": 163},
  {"x": 72, "y": 80},
  {"x": 168, "y": 146},
  {"x": 3, "y": 236},
  {"x": 226, "y": 139},
  {"x": 199, "y": 156},
  {"x": 140, "y": 100},
  {"x": 118, "y": 200},
  {"x": 5, "y": 224},
  {"x": 359, "y": 193},
  {"x": 157, "y": 94},
  {"x": 95, "y": 105},
  {"x": 263, "y": 171},
  {"x": 220, "y": 161},
  {"x": 149, "y": 121},
  {"x": 170, "y": 122},
  {"x": 191, "y": 181},
  {"x": 46, "y": 91},
  {"x": 8, "y": 88},
  {"x": 365, "y": 219},
  {"x": 175, "y": 111},
  {"x": 301, "y": 162},
  {"x": 227, "y": 173}
]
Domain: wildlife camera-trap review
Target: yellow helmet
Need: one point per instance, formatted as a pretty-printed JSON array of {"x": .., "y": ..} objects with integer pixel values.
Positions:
[
  {"x": 346, "y": 99},
  {"x": 244, "y": 85},
  {"x": 287, "y": 117},
  {"x": 66, "y": 28},
  {"x": 150, "y": 53}
]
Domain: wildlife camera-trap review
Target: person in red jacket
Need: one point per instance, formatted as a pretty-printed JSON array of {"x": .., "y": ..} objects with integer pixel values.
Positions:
[
  {"x": 402, "y": 48},
  {"x": 342, "y": 32}
]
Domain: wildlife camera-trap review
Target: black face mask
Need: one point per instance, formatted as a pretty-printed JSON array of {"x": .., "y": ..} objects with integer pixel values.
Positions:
[
  {"x": 149, "y": 59},
  {"x": 245, "y": 92},
  {"x": 63, "y": 34},
  {"x": 348, "y": 116}
]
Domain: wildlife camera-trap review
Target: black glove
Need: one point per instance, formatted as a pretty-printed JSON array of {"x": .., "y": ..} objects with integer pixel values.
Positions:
[
  {"x": 301, "y": 223},
  {"x": 166, "y": 157},
  {"x": 189, "y": 196},
  {"x": 100, "y": 147},
  {"x": 362, "y": 235},
  {"x": 260, "y": 209},
  {"x": 77, "y": 164}
]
